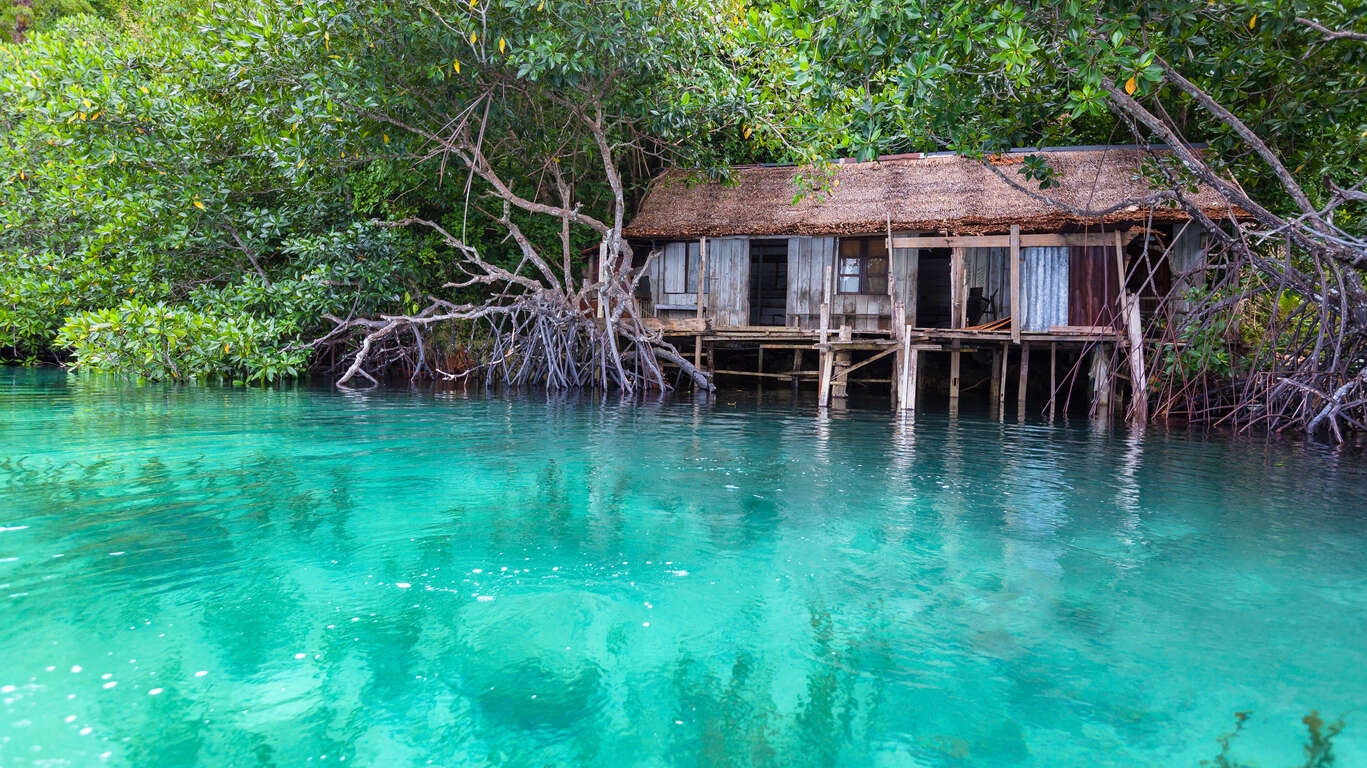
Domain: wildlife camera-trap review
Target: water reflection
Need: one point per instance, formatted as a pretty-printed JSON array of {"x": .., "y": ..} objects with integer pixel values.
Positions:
[{"x": 405, "y": 579}]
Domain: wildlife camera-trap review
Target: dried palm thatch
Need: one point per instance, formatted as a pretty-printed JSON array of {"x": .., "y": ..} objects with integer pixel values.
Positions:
[{"x": 919, "y": 193}]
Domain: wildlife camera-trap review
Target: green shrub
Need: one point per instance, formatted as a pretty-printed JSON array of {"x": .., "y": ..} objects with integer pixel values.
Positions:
[{"x": 161, "y": 342}]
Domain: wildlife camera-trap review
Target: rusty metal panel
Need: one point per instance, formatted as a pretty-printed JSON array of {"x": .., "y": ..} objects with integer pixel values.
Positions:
[
  {"x": 1093, "y": 286},
  {"x": 1044, "y": 288}
]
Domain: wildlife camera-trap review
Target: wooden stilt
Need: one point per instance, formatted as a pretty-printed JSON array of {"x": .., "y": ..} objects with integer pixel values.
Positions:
[
  {"x": 823, "y": 397},
  {"x": 1024, "y": 374},
  {"x": 797, "y": 366},
  {"x": 1053, "y": 381},
  {"x": 697, "y": 352},
  {"x": 911, "y": 364},
  {"x": 1101, "y": 383},
  {"x": 1001, "y": 386},
  {"x": 1130, "y": 308},
  {"x": 995, "y": 386},
  {"x": 840, "y": 380},
  {"x": 759, "y": 380},
  {"x": 954, "y": 356}
]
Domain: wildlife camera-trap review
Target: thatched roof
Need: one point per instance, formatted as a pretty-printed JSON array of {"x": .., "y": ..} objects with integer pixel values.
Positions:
[{"x": 921, "y": 193}]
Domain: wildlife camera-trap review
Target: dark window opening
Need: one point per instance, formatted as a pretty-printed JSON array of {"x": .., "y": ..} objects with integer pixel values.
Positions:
[
  {"x": 933, "y": 306},
  {"x": 863, "y": 265},
  {"x": 768, "y": 282}
]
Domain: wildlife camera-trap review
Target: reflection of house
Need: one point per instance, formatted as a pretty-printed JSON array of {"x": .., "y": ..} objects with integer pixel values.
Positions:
[{"x": 932, "y": 252}]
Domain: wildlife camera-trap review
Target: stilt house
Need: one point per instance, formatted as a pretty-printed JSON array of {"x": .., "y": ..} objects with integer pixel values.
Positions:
[{"x": 916, "y": 253}]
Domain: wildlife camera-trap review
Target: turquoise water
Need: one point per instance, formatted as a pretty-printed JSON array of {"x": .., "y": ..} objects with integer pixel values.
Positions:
[{"x": 228, "y": 577}]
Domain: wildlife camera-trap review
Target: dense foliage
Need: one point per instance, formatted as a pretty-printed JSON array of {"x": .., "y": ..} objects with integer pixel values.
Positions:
[{"x": 204, "y": 177}]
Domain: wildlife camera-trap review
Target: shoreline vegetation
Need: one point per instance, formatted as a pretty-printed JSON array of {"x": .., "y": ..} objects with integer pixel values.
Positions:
[{"x": 372, "y": 193}]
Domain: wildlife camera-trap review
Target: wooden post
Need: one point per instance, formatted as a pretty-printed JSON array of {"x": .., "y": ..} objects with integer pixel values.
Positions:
[
  {"x": 910, "y": 365},
  {"x": 1016, "y": 313},
  {"x": 840, "y": 380},
  {"x": 1024, "y": 374},
  {"x": 1001, "y": 386},
  {"x": 996, "y": 383},
  {"x": 702, "y": 276},
  {"x": 954, "y": 356},
  {"x": 824, "y": 388},
  {"x": 827, "y": 359},
  {"x": 759, "y": 380},
  {"x": 1053, "y": 385},
  {"x": 797, "y": 366},
  {"x": 1139, "y": 382},
  {"x": 956, "y": 288},
  {"x": 899, "y": 334},
  {"x": 1101, "y": 383}
]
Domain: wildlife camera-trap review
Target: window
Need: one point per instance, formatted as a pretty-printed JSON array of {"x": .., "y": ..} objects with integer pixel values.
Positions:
[
  {"x": 681, "y": 262},
  {"x": 863, "y": 263},
  {"x": 691, "y": 263}
]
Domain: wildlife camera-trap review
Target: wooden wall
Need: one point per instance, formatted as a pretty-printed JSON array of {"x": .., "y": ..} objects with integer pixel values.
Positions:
[
  {"x": 728, "y": 281},
  {"x": 808, "y": 260},
  {"x": 1187, "y": 259},
  {"x": 728, "y": 265}
]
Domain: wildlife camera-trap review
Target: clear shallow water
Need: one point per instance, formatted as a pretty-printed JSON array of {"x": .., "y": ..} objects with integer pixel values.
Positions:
[{"x": 224, "y": 577}]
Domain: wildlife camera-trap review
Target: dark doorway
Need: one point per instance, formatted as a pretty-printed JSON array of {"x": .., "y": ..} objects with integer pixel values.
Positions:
[
  {"x": 933, "y": 305},
  {"x": 768, "y": 282}
]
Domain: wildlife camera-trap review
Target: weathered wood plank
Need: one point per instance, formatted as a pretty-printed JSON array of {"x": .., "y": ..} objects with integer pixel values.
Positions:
[
  {"x": 1004, "y": 241},
  {"x": 1015, "y": 256}
]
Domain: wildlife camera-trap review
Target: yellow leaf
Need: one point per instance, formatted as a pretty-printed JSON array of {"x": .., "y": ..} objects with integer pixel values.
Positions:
[
  {"x": 456, "y": 66},
  {"x": 144, "y": 90},
  {"x": 1130, "y": 85},
  {"x": 199, "y": 205},
  {"x": 227, "y": 348},
  {"x": 86, "y": 102},
  {"x": 542, "y": 6},
  {"x": 386, "y": 137},
  {"x": 502, "y": 44},
  {"x": 747, "y": 132},
  {"x": 473, "y": 37},
  {"x": 327, "y": 42},
  {"x": 1253, "y": 21}
]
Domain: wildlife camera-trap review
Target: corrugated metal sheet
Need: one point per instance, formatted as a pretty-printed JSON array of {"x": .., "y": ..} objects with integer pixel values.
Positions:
[
  {"x": 990, "y": 269},
  {"x": 1044, "y": 288}
]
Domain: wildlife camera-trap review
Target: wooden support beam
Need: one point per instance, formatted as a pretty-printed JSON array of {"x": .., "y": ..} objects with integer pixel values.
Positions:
[
  {"x": 797, "y": 366},
  {"x": 827, "y": 356},
  {"x": 1139, "y": 413},
  {"x": 958, "y": 306},
  {"x": 1053, "y": 381},
  {"x": 1024, "y": 375},
  {"x": 910, "y": 365},
  {"x": 1095, "y": 239},
  {"x": 1101, "y": 383},
  {"x": 866, "y": 361},
  {"x": 995, "y": 378},
  {"x": 1001, "y": 383},
  {"x": 702, "y": 274},
  {"x": 840, "y": 374},
  {"x": 1016, "y": 313},
  {"x": 954, "y": 356}
]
